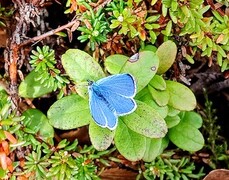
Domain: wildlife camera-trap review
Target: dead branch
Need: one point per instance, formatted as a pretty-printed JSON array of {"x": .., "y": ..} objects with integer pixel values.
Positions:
[{"x": 49, "y": 33}]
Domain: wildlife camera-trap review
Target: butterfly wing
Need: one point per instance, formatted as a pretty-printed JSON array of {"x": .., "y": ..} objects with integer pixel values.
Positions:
[
  {"x": 119, "y": 91},
  {"x": 103, "y": 114},
  {"x": 122, "y": 84}
]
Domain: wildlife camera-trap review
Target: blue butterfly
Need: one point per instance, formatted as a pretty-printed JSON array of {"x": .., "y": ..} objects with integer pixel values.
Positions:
[{"x": 111, "y": 97}]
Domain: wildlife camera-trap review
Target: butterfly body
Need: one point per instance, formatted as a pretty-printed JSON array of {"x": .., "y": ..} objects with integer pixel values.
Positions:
[{"x": 111, "y": 97}]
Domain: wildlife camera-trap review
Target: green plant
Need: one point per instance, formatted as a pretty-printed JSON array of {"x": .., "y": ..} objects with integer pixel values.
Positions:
[
  {"x": 61, "y": 162},
  {"x": 4, "y": 104},
  {"x": 4, "y": 12},
  {"x": 63, "y": 165},
  {"x": 5, "y": 121},
  {"x": 128, "y": 22},
  {"x": 166, "y": 167},
  {"x": 94, "y": 26},
  {"x": 86, "y": 170},
  {"x": 215, "y": 39},
  {"x": 43, "y": 60},
  {"x": 156, "y": 98},
  {"x": 124, "y": 19},
  {"x": 37, "y": 164},
  {"x": 214, "y": 142},
  {"x": 45, "y": 77},
  {"x": 208, "y": 34},
  {"x": 224, "y": 2}
]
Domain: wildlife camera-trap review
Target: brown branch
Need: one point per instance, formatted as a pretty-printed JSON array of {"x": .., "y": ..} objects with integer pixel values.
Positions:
[
  {"x": 100, "y": 4},
  {"x": 213, "y": 7},
  {"x": 49, "y": 33}
]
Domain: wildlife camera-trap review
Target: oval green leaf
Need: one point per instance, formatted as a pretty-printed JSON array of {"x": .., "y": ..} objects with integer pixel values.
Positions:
[
  {"x": 69, "y": 112},
  {"x": 80, "y": 66},
  {"x": 167, "y": 54},
  {"x": 146, "y": 97},
  {"x": 181, "y": 97},
  {"x": 172, "y": 111},
  {"x": 146, "y": 121},
  {"x": 158, "y": 82},
  {"x": 114, "y": 63},
  {"x": 161, "y": 97},
  {"x": 101, "y": 138},
  {"x": 186, "y": 137},
  {"x": 153, "y": 147},
  {"x": 38, "y": 122},
  {"x": 129, "y": 143},
  {"x": 30, "y": 88},
  {"x": 193, "y": 119},
  {"x": 172, "y": 121}
]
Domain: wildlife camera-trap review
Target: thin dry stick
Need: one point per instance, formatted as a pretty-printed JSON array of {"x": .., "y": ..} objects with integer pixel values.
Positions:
[
  {"x": 101, "y": 4},
  {"x": 50, "y": 33}
]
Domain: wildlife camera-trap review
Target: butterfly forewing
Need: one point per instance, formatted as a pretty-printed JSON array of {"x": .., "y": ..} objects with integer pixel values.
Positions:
[{"x": 122, "y": 84}]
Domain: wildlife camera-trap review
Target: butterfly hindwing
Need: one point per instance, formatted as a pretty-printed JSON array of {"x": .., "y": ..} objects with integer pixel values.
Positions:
[
  {"x": 101, "y": 112},
  {"x": 122, "y": 84},
  {"x": 122, "y": 105}
]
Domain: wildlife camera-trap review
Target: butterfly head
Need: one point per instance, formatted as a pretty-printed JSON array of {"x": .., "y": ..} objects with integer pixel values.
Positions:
[{"x": 90, "y": 82}]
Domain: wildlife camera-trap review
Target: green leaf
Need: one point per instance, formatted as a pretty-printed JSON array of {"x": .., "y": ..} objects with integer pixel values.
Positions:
[
  {"x": 146, "y": 97},
  {"x": 162, "y": 110},
  {"x": 149, "y": 48},
  {"x": 172, "y": 121},
  {"x": 114, "y": 63},
  {"x": 181, "y": 97},
  {"x": 168, "y": 29},
  {"x": 161, "y": 97},
  {"x": 172, "y": 111},
  {"x": 61, "y": 34},
  {"x": 80, "y": 66},
  {"x": 30, "y": 88},
  {"x": 46, "y": 132},
  {"x": 219, "y": 59},
  {"x": 221, "y": 51},
  {"x": 3, "y": 173},
  {"x": 167, "y": 54},
  {"x": 101, "y": 138},
  {"x": 158, "y": 82},
  {"x": 143, "y": 69},
  {"x": 69, "y": 112},
  {"x": 164, "y": 10},
  {"x": 146, "y": 121},
  {"x": 148, "y": 26},
  {"x": 38, "y": 123},
  {"x": 151, "y": 19},
  {"x": 153, "y": 2},
  {"x": 153, "y": 147},
  {"x": 2, "y": 135},
  {"x": 186, "y": 137},
  {"x": 129, "y": 143},
  {"x": 190, "y": 59},
  {"x": 164, "y": 144},
  {"x": 192, "y": 118}
]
